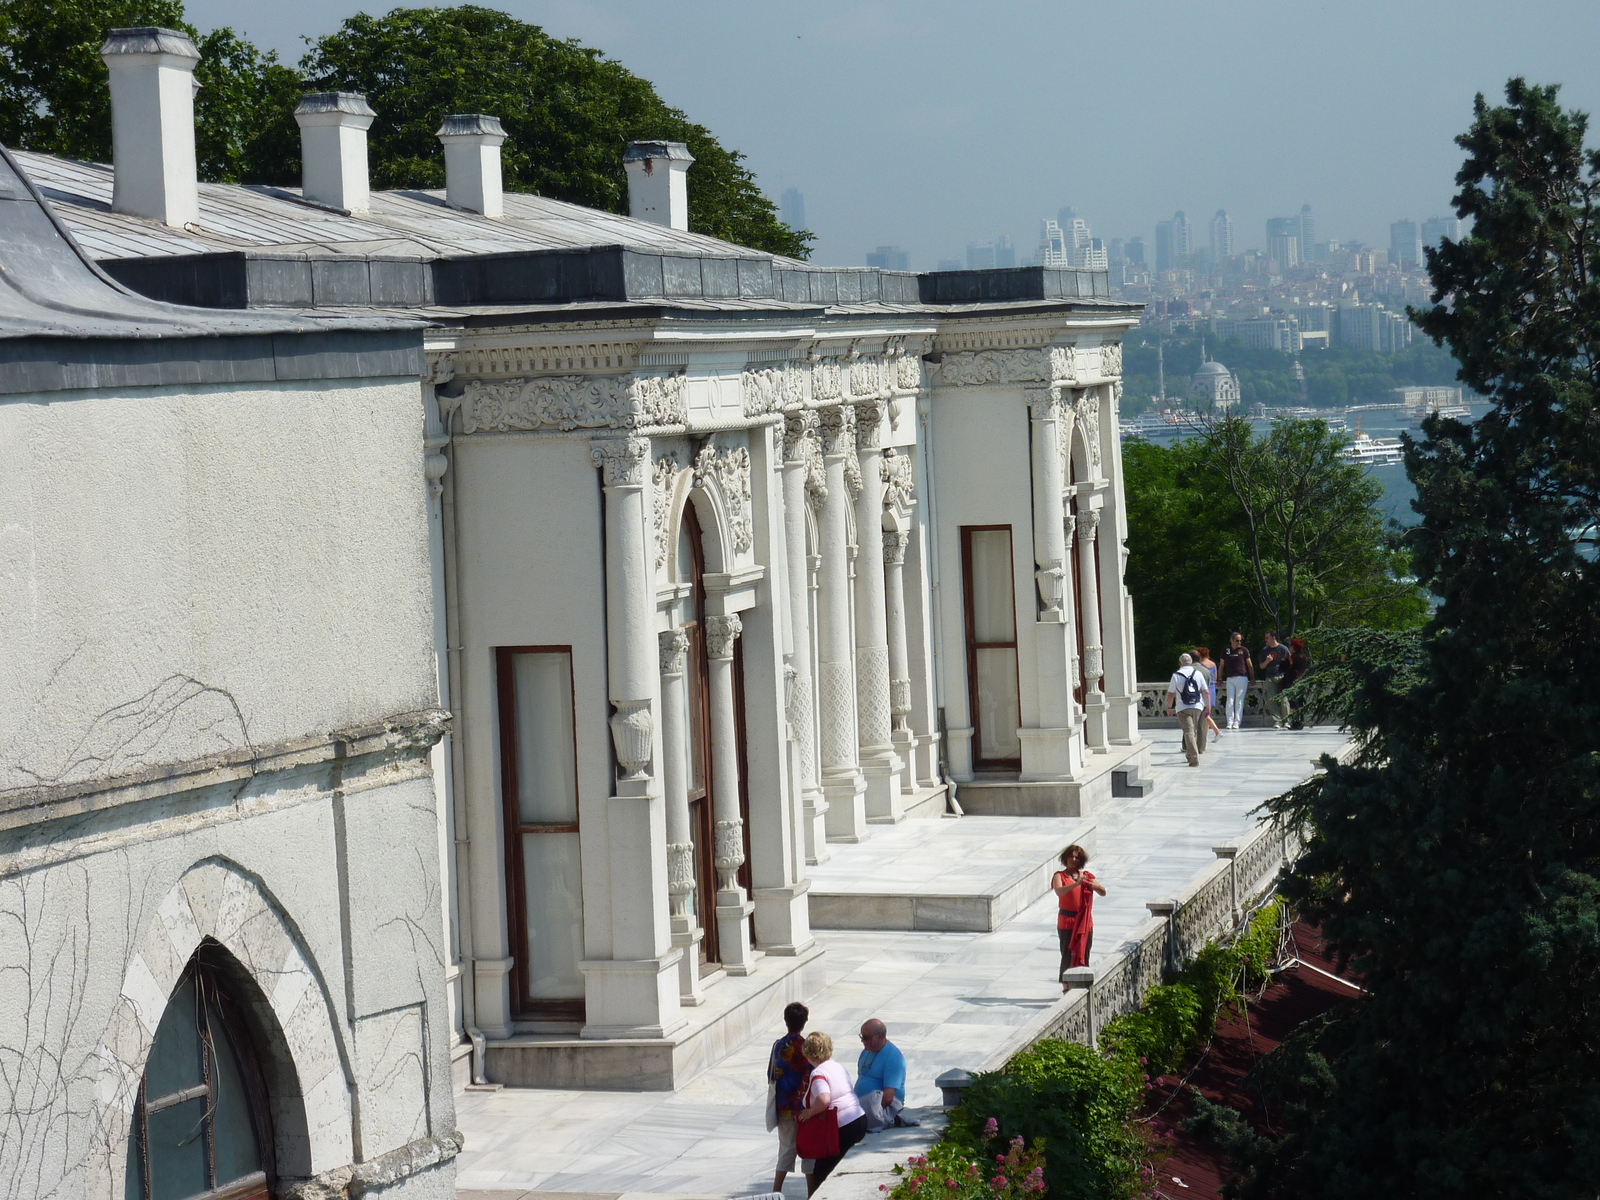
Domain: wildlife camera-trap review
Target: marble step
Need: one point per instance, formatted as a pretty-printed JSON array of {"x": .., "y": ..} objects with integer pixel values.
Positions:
[{"x": 970, "y": 875}]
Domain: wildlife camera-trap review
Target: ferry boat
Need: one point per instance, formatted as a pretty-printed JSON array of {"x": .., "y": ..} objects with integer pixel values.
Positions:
[
  {"x": 1375, "y": 452},
  {"x": 1458, "y": 412}
]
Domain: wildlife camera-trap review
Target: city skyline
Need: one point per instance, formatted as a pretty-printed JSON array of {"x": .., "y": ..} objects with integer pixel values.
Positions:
[{"x": 808, "y": 93}]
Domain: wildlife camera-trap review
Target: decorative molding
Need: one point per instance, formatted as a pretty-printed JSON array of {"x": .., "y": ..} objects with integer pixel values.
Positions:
[
  {"x": 1063, "y": 364},
  {"x": 866, "y": 378},
  {"x": 1093, "y": 664},
  {"x": 435, "y": 464},
  {"x": 534, "y": 360},
  {"x": 900, "y": 703},
  {"x": 899, "y": 479},
  {"x": 674, "y": 647},
  {"x": 1044, "y": 403},
  {"x": 663, "y": 476},
  {"x": 567, "y": 402},
  {"x": 908, "y": 373},
  {"x": 1087, "y": 410},
  {"x": 680, "y": 876},
  {"x": 869, "y": 425},
  {"x": 852, "y": 473},
  {"x": 1051, "y": 579},
  {"x": 1111, "y": 359},
  {"x": 631, "y": 730},
  {"x": 873, "y": 722},
  {"x": 728, "y": 853},
  {"x": 441, "y": 367},
  {"x": 730, "y": 467},
  {"x": 775, "y": 388},
  {"x": 833, "y": 427},
  {"x": 1088, "y": 524},
  {"x": 825, "y": 380},
  {"x": 621, "y": 460},
  {"x": 721, "y": 632},
  {"x": 798, "y": 429}
]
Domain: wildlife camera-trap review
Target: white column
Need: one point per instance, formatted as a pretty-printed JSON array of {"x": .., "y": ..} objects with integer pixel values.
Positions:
[
  {"x": 1050, "y": 751},
  {"x": 842, "y": 781},
  {"x": 879, "y": 762},
  {"x": 634, "y": 993},
  {"x": 686, "y": 931},
  {"x": 894, "y": 563},
  {"x": 733, "y": 906},
  {"x": 1121, "y": 673},
  {"x": 1093, "y": 654},
  {"x": 799, "y": 434}
]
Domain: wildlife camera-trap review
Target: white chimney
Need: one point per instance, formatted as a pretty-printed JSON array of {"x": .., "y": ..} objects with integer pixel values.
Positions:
[
  {"x": 472, "y": 163},
  {"x": 657, "y": 188},
  {"x": 152, "y": 124},
  {"x": 333, "y": 149}
]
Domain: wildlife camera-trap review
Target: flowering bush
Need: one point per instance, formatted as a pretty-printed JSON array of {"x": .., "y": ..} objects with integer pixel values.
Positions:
[{"x": 952, "y": 1172}]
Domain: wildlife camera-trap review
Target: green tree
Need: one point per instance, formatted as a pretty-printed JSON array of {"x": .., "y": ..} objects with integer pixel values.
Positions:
[
  {"x": 54, "y": 97},
  {"x": 569, "y": 113},
  {"x": 1458, "y": 864}
]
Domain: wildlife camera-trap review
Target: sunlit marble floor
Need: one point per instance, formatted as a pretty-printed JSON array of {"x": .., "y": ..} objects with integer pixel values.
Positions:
[{"x": 949, "y": 1000}]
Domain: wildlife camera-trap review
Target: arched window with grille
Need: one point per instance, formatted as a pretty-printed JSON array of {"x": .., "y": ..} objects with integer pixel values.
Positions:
[{"x": 199, "y": 1123}]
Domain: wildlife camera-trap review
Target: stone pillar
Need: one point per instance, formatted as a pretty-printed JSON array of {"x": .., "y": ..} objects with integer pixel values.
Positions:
[
  {"x": 686, "y": 931},
  {"x": 842, "y": 781},
  {"x": 1121, "y": 676},
  {"x": 1051, "y": 751},
  {"x": 1089, "y": 601},
  {"x": 733, "y": 906},
  {"x": 879, "y": 762},
  {"x": 799, "y": 434},
  {"x": 634, "y": 993},
  {"x": 894, "y": 563}
]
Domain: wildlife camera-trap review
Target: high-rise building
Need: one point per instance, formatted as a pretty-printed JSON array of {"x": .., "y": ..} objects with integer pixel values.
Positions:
[
  {"x": 1005, "y": 254},
  {"x": 1221, "y": 237},
  {"x": 1114, "y": 249},
  {"x": 1133, "y": 250},
  {"x": 1437, "y": 229},
  {"x": 1054, "y": 250},
  {"x": 889, "y": 258},
  {"x": 1405, "y": 245},
  {"x": 980, "y": 257},
  {"x": 1091, "y": 256},
  {"x": 1283, "y": 241},
  {"x": 792, "y": 208},
  {"x": 1307, "y": 232},
  {"x": 1174, "y": 243}
]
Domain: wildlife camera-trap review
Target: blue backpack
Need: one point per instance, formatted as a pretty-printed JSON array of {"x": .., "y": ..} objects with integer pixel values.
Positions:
[{"x": 1189, "y": 690}]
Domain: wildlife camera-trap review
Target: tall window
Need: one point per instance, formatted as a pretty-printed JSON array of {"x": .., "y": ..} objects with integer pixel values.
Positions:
[
  {"x": 991, "y": 612},
  {"x": 197, "y": 1124},
  {"x": 539, "y": 776}
]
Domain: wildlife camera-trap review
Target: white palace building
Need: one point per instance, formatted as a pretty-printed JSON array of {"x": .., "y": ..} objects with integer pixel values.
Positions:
[{"x": 731, "y": 559}]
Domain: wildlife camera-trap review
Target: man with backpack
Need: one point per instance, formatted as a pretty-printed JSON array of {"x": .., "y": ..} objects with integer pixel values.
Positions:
[{"x": 1188, "y": 696}]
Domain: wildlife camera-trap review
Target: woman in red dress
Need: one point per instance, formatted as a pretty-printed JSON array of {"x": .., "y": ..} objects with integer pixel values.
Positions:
[{"x": 1075, "y": 890}]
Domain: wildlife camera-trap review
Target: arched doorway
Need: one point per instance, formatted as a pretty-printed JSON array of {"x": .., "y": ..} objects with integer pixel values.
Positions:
[
  {"x": 200, "y": 1124},
  {"x": 691, "y": 569}
]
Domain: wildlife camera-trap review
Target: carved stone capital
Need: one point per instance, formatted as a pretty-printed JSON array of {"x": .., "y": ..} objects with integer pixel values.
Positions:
[
  {"x": 1088, "y": 524},
  {"x": 721, "y": 632},
  {"x": 869, "y": 421},
  {"x": 674, "y": 645},
  {"x": 798, "y": 431},
  {"x": 894, "y": 547},
  {"x": 622, "y": 461},
  {"x": 1044, "y": 404},
  {"x": 834, "y": 428}
]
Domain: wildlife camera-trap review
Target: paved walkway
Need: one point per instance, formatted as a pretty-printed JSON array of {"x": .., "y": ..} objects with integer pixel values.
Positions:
[{"x": 943, "y": 996}]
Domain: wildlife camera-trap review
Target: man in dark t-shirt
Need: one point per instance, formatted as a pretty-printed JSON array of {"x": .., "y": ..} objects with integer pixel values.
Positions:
[
  {"x": 1238, "y": 672},
  {"x": 1274, "y": 660}
]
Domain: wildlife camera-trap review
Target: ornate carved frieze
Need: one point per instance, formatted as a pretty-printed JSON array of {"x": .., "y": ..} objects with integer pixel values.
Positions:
[
  {"x": 908, "y": 372},
  {"x": 721, "y": 632},
  {"x": 825, "y": 380},
  {"x": 567, "y": 402},
  {"x": 621, "y": 460},
  {"x": 777, "y": 388},
  {"x": 663, "y": 477},
  {"x": 610, "y": 357},
  {"x": 1044, "y": 364},
  {"x": 729, "y": 466},
  {"x": 899, "y": 479},
  {"x": 866, "y": 378},
  {"x": 1111, "y": 360},
  {"x": 674, "y": 645}
]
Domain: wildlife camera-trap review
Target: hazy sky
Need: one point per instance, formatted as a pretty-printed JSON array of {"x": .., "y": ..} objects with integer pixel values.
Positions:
[{"x": 937, "y": 123}]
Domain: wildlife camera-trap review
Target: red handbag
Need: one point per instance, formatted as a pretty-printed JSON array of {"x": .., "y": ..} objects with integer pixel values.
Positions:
[{"x": 819, "y": 1137}]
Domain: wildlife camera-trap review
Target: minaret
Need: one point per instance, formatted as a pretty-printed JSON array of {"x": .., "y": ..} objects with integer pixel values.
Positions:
[{"x": 1161, "y": 372}]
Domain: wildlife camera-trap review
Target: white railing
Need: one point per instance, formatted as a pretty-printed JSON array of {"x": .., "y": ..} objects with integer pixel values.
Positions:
[{"x": 1153, "y": 705}]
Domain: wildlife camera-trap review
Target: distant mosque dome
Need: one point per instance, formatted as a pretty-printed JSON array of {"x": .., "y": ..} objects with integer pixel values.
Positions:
[{"x": 1214, "y": 384}]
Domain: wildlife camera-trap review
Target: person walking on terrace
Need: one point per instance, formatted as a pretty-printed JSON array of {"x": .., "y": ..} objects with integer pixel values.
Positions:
[
  {"x": 1186, "y": 696},
  {"x": 1075, "y": 890},
  {"x": 788, "y": 1073},
  {"x": 1238, "y": 673},
  {"x": 1274, "y": 661},
  {"x": 881, "y": 1078},
  {"x": 1202, "y": 659},
  {"x": 829, "y": 1097}
]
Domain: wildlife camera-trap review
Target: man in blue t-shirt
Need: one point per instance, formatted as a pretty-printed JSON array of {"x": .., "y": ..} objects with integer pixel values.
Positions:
[{"x": 881, "y": 1078}]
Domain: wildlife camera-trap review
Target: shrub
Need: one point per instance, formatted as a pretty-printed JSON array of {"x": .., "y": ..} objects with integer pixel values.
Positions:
[{"x": 952, "y": 1172}]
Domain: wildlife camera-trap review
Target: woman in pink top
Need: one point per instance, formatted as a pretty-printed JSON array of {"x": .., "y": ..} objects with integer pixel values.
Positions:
[{"x": 830, "y": 1097}]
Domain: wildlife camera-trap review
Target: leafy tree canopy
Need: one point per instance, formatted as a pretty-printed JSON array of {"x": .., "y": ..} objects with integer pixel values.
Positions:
[
  {"x": 1457, "y": 864},
  {"x": 569, "y": 112},
  {"x": 1234, "y": 530}
]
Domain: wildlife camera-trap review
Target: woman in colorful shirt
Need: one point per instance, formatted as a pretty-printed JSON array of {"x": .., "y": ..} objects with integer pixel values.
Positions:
[
  {"x": 789, "y": 1071},
  {"x": 1075, "y": 890}
]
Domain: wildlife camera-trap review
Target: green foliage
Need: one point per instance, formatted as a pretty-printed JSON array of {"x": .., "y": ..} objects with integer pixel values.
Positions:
[
  {"x": 1458, "y": 865},
  {"x": 951, "y": 1171},
  {"x": 1335, "y": 377},
  {"x": 1239, "y": 531},
  {"x": 1161, "y": 1033},
  {"x": 1347, "y": 660},
  {"x": 568, "y": 110}
]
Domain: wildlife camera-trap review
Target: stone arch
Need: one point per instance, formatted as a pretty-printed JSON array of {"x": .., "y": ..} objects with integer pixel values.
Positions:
[
  {"x": 1078, "y": 455},
  {"x": 711, "y": 511},
  {"x": 285, "y": 1001}
]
